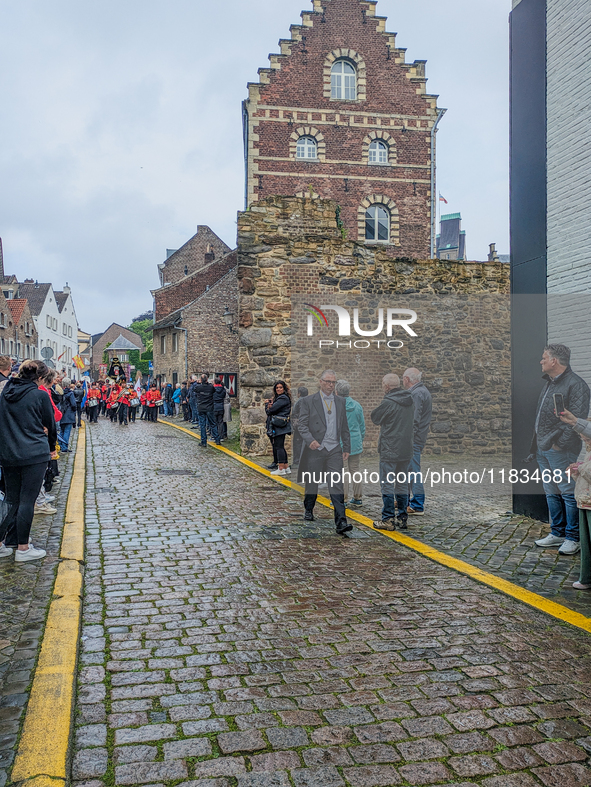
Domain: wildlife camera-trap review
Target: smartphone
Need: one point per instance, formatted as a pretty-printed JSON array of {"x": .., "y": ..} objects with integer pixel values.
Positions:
[{"x": 558, "y": 403}]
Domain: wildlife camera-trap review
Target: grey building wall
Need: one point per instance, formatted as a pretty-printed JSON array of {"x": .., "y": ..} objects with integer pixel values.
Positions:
[{"x": 569, "y": 177}]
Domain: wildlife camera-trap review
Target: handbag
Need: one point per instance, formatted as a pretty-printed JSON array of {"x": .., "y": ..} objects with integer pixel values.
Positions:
[{"x": 279, "y": 421}]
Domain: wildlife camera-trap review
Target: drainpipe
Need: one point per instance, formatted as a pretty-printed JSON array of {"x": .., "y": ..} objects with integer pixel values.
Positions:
[{"x": 433, "y": 194}]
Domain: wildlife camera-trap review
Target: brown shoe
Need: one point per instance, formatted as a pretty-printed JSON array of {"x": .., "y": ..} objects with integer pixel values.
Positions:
[
  {"x": 388, "y": 524},
  {"x": 414, "y": 512}
]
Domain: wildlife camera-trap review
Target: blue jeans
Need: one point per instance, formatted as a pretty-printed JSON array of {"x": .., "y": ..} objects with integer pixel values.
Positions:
[
  {"x": 64, "y": 437},
  {"x": 393, "y": 487},
  {"x": 194, "y": 411},
  {"x": 560, "y": 494},
  {"x": 416, "y": 488},
  {"x": 208, "y": 420}
]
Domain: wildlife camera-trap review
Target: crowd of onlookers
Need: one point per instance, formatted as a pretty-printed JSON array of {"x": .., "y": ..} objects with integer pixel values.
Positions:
[{"x": 39, "y": 407}]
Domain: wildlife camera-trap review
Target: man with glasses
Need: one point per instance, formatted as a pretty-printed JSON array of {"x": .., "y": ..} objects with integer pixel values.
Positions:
[{"x": 323, "y": 427}]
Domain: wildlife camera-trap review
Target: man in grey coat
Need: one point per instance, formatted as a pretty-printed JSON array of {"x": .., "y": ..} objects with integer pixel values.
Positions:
[
  {"x": 394, "y": 416},
  {"x": 412, "y": 382},
  {"x": 322, "y": 424}
]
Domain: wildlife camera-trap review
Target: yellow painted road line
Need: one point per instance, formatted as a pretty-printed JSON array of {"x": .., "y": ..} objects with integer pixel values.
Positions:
[
  {"x": 42, "y": 756},
  {"x": 558, "y": 611}
]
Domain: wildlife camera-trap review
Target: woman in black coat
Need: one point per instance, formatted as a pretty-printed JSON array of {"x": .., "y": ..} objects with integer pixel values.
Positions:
[
  {"x": 278, "y": 412},
  {"x": 27, "y": 443}
]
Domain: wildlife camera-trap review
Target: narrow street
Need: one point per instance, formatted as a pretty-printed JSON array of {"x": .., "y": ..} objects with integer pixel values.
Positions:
[{"x": 225, "y": 643}]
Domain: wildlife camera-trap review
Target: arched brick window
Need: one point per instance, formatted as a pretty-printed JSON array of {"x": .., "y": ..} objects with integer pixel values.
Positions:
[
  {"x": 378, "y": 221},
  {"x": 379, "y": 148},
  {"x": 307, "y": 148},
  {"x": 345, "y": 76},
  {"x": 302, "y": 142}
]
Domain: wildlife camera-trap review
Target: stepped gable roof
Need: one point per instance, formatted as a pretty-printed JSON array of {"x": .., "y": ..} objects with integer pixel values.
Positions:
[
  {"x": 35, "y": 295},
  {"x": 121, "y": 343},
  {"x": 17, "y": 307}
]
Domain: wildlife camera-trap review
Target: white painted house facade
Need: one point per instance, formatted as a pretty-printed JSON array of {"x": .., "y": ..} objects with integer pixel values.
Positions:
[{"x": 55, "y": 319}]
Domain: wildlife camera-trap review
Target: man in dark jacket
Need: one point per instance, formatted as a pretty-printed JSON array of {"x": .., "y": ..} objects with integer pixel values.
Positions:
[
  {"x": 193, "y": 383},
  {"x": 219, "y": 400},
  {"x": 185, "y": 401},
  {"x": 411, "y": 381},
  {"x": 204, "y": 397},
  {"x": 167, "y": 397},
  {"x": 395, "y": 417},
  {"x": 326, "y": 445},
  {"x": 68, "y": 408},
  {"x": 556, "y": 446},
  {"x": 78, "y": 392}
]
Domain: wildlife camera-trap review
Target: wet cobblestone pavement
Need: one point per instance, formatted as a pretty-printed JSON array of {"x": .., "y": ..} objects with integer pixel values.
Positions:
[
  {"x": 227, "y": 644},
  {"x": 473, "y": 524},
  {"x": 25, "y": 592}
]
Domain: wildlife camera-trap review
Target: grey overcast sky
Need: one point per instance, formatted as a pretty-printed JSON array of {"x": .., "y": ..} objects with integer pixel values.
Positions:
[{"x": 121, "y": 129}]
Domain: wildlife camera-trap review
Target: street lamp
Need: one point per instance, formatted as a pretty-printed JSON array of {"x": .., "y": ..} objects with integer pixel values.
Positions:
[{"x": 228, "y": 318}]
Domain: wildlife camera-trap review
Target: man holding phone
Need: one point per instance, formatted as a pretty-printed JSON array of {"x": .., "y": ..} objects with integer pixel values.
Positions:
[{"x": 556, "y": 445}]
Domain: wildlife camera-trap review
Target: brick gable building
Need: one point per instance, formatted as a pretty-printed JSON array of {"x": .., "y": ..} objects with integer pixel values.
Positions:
[
  {"x": 339, "y": 114},
  {"x": 200, "y": 250}
]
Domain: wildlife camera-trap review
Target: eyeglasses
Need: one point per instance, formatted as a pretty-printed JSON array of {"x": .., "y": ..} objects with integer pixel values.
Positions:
[{"x": 329, "y": 382}]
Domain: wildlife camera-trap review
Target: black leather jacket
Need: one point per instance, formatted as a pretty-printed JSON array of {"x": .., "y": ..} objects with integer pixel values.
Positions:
[{"x": 549, "y": 429}]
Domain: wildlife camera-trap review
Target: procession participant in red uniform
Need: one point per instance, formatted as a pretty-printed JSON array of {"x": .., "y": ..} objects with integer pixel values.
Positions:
[
  {"x": 93, "y": 402},
  {"x": 112, "y": 403},
  {"x": 123, "y": 410},
  {"x": 154, "y": 400}
]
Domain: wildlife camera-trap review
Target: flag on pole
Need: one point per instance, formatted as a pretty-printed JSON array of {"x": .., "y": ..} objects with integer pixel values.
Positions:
[
  {"x": 85, "y": 384},
  {"x": 138, "y": 385},
  {"x": 78, "y": 362},
  {"x": 442, "y": 198}
]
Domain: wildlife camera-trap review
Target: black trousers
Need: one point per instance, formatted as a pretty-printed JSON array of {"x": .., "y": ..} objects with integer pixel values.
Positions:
[
  {"x": 186, "y": 412},
  {"x": 153, "y": 414},
  {"x": 113, "y": 414},
  {"x": 78, "y": 414},
  {"x": 123, "y": 410},
  {"x": 132, "y": 414},
  {"x": 320, "y": 462},
  {"x": 279, "y": 452},
  {"x": 93, "y": 414},
  {"x": 23, "y": 484}
]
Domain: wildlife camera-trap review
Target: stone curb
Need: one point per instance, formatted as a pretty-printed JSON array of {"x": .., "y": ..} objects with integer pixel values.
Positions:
[
  {"x": 42, "y": 756},
  {"x": 562, "y": 613}
]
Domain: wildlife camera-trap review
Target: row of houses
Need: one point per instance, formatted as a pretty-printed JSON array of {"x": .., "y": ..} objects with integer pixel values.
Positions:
[{"x": 37, "y": 321}]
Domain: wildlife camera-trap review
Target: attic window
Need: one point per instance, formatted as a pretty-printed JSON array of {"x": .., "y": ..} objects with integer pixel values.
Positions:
[{"x": 186, "y": 270}]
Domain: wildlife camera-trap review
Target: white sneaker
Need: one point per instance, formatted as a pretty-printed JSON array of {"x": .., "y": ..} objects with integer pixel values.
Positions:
[
  {"x": 550, "y": 541},
  {"x": 569, "y": 547},
  {"x": 278, "y": 472},
  {"x": 288, "y": 470},
  {"x": 49, "y": 498},
  {"x": 24, "y": 555},
  {"x": 45, "y": 509},
  {"x": 5, "y": 551}
]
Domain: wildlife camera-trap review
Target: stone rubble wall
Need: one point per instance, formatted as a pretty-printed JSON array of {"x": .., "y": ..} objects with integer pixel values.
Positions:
[{"x": 292, "y": 247}]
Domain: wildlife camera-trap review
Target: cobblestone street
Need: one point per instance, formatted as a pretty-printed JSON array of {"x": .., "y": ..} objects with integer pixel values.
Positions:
[
  {"x": 228, "y": 644},
  {"x": 474, "y": 524}
]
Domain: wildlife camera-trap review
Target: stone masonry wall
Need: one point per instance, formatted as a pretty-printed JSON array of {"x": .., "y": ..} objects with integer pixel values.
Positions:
[{"x": 292, "y": 247}]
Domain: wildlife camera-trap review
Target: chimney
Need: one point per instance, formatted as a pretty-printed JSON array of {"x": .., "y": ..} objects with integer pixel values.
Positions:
[
  {"x": 28, "y": 281},
  {"x": 67, "y": 289},
  {"x": 493, "y": 255},
  {"x": 1, "y": 262},
  {"x": 209, "y": 254}
]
